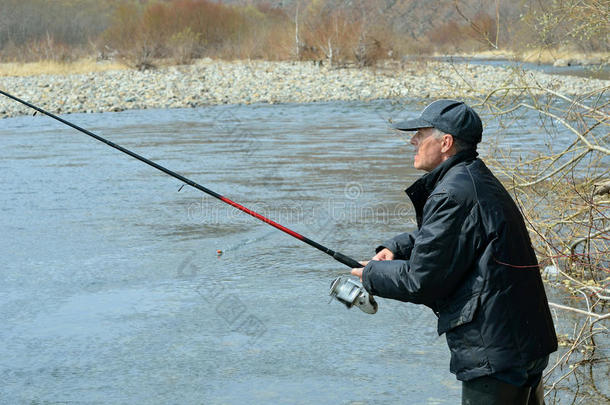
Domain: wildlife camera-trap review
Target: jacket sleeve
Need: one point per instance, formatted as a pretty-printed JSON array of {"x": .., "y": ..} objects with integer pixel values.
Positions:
[
  {"x": 443, "y": 251},
  {"x": 401, "y": 245}
]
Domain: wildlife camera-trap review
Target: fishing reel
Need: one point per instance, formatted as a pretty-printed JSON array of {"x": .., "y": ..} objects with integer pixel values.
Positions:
[{"x": 350, "y": 292}]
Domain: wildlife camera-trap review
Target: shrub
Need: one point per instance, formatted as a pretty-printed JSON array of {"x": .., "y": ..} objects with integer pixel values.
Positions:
[
  {"x": 56, "y": 30},
  {"x": 181, "y": 29},
  {"x": 184, "y": 45}
]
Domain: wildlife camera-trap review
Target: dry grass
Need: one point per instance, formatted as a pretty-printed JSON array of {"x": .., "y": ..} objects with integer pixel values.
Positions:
[{"x": 58, "y": 68}]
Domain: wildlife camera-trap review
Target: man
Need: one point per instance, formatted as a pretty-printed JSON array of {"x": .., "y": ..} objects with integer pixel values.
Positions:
[{"x": 471, "y": 261}]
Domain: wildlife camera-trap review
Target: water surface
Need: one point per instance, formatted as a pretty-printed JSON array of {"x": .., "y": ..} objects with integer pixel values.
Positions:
[{"x": 112, "y": 291}]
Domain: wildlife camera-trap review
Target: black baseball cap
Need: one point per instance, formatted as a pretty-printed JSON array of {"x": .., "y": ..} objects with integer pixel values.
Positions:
[{"x": 450, "y": 116}]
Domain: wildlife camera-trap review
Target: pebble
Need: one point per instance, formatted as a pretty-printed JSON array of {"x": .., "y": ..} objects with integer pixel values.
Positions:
[{"x": 210, "y": 82}]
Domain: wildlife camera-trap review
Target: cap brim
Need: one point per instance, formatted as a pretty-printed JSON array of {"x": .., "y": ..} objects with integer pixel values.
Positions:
[{"x": 412, "y": 125}]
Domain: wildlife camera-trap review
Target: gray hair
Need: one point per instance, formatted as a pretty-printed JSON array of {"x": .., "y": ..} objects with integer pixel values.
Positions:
[{"x": 459, "y": 144}]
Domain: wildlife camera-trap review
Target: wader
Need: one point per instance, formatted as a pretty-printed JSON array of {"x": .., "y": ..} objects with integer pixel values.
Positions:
[{"x": 490, "y": 391}]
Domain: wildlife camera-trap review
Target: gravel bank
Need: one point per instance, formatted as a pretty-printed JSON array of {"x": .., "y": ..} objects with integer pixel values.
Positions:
[{"x": 209, "y": 82}]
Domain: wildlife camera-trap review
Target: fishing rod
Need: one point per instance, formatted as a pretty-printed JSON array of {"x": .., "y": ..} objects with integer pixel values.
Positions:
[
  {"x": 348, "y": 261},
  {"x": 346, "y": 290}
]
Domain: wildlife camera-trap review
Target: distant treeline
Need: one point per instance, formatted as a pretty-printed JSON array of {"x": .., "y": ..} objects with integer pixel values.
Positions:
[{"x": 359, "y": 31}]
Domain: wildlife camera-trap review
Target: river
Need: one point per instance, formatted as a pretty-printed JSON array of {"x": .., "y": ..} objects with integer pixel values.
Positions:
[
  {"x": 112, "y": 290},
  {"x": 593, "y": 71}
]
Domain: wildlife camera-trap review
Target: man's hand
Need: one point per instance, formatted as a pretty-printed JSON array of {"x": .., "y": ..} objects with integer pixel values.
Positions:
[
  {"x": 385, "y": 254},
  {"x": 358, "y": 271}
]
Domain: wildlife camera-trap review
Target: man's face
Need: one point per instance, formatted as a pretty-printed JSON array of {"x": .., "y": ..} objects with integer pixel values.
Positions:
[{"x": 428, "y": 150}]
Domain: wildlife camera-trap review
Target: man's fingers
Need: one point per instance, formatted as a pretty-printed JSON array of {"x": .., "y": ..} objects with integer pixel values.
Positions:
[
  {"x": 385, "y": 254},
  {"x": 358, "y": 272}
]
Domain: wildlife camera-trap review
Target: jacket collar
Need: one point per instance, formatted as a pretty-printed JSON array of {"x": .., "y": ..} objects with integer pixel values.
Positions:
[{"x": 419, "y": 191}]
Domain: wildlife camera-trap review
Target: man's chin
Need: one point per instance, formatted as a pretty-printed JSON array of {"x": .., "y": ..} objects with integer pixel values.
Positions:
[{"x": 419, "y": 167}]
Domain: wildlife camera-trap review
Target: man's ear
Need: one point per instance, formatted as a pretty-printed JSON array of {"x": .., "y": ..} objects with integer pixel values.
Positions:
[{"x": 447, "y": 143}]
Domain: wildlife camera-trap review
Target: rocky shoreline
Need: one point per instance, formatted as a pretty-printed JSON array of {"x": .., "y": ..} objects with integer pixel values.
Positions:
[{"x": 211, "y": 82}]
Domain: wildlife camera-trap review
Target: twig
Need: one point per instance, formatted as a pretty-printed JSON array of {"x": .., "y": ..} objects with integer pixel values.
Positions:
[
  {"x": 586, "y": 238},
  {"x": 594, "y": 110},
  {"x": 574, "y": 160},
  {"x": 598, "y": 317},
  {"x": 568, "y": 126}
]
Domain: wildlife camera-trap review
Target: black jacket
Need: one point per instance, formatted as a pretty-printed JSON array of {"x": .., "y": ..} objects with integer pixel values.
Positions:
[{"x": 471, "y": 260}]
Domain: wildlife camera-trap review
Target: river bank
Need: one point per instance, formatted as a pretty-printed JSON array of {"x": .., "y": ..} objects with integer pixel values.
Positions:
[{"x": 213, "y": 82}]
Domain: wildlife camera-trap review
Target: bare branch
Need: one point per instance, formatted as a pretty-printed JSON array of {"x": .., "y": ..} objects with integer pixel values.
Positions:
[
  {"x": 568, "y": 126},
  {"x": 579, "y": 311}
]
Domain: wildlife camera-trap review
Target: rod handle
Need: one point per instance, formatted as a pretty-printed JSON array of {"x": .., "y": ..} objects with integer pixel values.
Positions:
[{"x": 348, "y": 261}]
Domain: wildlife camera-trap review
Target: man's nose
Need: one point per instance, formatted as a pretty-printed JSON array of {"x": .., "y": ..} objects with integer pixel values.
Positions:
[{"x": 413, "y": 141}]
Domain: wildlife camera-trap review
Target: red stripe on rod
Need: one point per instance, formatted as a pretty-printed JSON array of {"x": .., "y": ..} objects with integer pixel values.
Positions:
[{"x": 262, "y": 218}]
